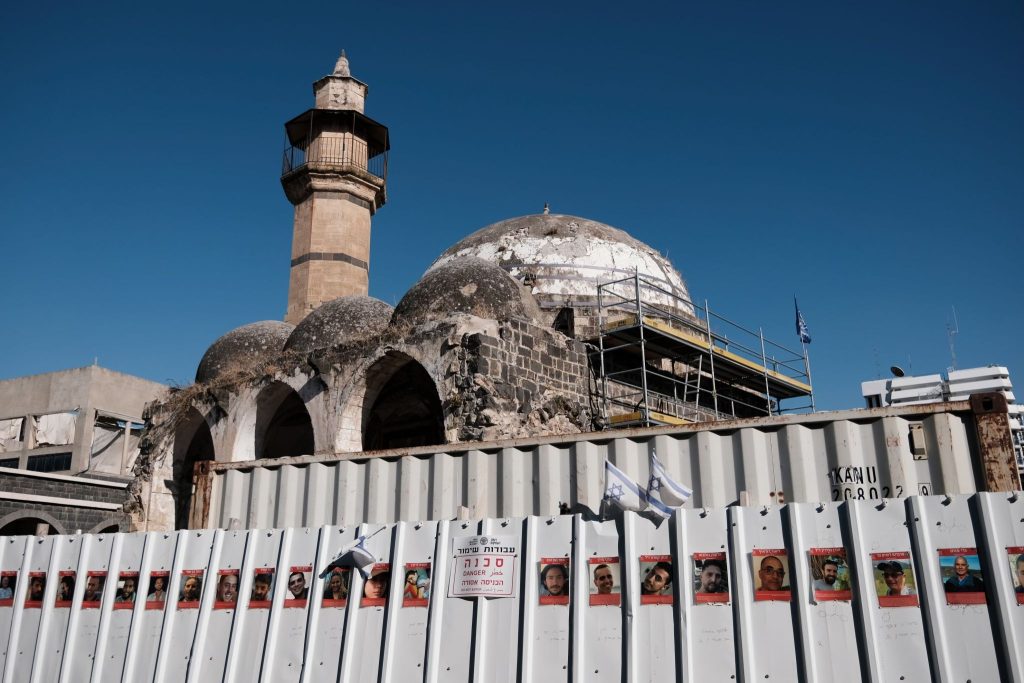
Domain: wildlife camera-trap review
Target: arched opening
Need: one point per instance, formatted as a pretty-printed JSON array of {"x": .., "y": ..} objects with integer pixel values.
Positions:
[
  {"x": 401, "y": 408},
  {"x": 283, "y": 426},
  {"x": 31, "y": 523},
  {"x": 192, "y": 443}
]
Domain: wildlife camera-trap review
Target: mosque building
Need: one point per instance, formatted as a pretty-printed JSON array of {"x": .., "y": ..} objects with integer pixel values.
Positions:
[{"x": 537, "y": 325}]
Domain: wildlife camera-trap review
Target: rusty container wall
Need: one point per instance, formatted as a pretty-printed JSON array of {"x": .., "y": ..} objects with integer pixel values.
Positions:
[{"x": 867, "y": 454}]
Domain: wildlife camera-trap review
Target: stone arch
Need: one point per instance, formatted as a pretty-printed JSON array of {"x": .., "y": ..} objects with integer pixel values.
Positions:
[
  {"x": 193, "y": 442},
  {"x": 283, "y": 425},
  {"x": 401, "y": 406},
  {"x": 23, "y": 523},
  {"x": 111, "y": 525}
]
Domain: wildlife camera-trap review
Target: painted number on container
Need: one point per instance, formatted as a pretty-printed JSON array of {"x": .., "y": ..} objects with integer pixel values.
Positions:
[{"x": 860, "y": 483}]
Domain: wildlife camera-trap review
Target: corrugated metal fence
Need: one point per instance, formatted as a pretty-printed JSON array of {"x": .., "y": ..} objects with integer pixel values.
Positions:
[
  {"x": 777, "y": 632},
  {"x": 862, "y": 454}
]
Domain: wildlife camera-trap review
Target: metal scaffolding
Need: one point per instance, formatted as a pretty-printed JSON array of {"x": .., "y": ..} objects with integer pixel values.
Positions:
[{"x": 663, "y": 360}]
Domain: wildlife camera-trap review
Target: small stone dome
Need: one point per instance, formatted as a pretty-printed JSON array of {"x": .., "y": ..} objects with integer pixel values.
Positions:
[
  {"x": 345, "y": 319},
  {"x": 462, "y": 285},
  {"x": 564, "y": 258},
  {"x": 243, "y": 345}
]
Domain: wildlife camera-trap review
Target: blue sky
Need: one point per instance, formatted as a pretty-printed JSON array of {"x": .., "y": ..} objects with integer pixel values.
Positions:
[{"x": 866, "y": 157}]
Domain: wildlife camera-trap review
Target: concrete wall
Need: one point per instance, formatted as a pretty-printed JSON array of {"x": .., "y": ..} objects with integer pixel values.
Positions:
[{"x": 87, "y": 390}]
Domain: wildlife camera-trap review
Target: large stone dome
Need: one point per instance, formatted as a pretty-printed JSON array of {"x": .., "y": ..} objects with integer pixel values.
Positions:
[
  {"x": 462, "y": 285},
  {"x": 243, "y": 346},
  {"x": 564, "y": 258},
  {"x": 345, "y": 319}
]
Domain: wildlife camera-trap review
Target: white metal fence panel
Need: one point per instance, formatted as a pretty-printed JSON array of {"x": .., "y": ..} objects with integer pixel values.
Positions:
[
  {"x": 56, "y": 616},
  {"x": 148, "y": 619},
  {"x": 597, "y": 638},
  {"x": 894, "y": 642},
  {"x": 960, "y": 632},
  {"x": 84, "y": 624},
  {"x": 187, "y": 589},
  {"x": 651, "y": 634},
  {"x": 12, "y": 561},
  {"x": 1000, "y": 520},
  {"x": 823, "y": 592},
  {"x": 825, "y": 608},
  {"x": 706, "y": 618},
  {"x": 765, "y": 620},
  {"x": 545, "y": 638}
]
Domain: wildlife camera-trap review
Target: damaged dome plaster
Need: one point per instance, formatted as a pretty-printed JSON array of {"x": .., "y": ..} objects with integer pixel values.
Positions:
[{"x": 563, "y": 259}]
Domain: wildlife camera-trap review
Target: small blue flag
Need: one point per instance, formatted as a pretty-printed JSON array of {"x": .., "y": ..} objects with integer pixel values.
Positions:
[{"x": 801, "y": 325}]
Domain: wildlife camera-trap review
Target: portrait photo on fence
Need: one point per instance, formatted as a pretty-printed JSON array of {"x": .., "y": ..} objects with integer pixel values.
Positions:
[
  {"x": 895, "y": 582},
  {"x": 1015, "y": 554},
  {"x": 655, "y": 577},
  {"x": 710, "y": 578},
  {"x": 416, "y": 586},
  {"x": 962, "y": 580},
  {"x": 191, "y": 588},
  {"x": 770, "y": 567},
  {"x": 375, "y": 587},
  {"x": 95, "y": 582},
  {"x": 298, "y": 585},
  {"x": 227, "y": 589},
  {"x": 65, "y": 588},
  {"x": 336, "y": 587},
  {"x": 36, "y": 588},
  {"x": 554, "y": 581},
  {"x": 262, "y": 591},
  {"x": 830, "y": 574},
  {"x": 127, "y": 590},
  {"x": 8, "y": 586},
  {"x": 156, "y": 594},
  {"x": 605, "y": 581}
]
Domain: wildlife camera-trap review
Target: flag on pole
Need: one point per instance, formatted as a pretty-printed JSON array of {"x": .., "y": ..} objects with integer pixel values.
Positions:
[
  {"x": 355, "y": 555},
  {"x": 801, "y": 325},
  {"x": 664, "y": 489},
  {"x": 620, "y": 490}
]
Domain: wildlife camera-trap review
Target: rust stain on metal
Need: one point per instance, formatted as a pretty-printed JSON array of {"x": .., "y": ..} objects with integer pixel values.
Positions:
[
  {"x": 202, "y": 489},
  {"x": 995, "y": 445}
]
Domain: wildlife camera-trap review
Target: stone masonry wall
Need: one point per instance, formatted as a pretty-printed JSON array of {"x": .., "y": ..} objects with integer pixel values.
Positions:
[
  {"x": 527, "y": 381},
  {"x": 70, "y": 517}
]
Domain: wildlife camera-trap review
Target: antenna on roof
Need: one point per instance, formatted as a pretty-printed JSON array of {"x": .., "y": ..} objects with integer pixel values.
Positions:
[{"x": 952, "y": 329}]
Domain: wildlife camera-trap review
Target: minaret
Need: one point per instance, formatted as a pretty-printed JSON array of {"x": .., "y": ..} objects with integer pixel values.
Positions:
[{"x": 335, "y": 170}]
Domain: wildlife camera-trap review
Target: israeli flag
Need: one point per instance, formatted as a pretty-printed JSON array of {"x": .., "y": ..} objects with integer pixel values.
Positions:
[
  {"x": 355, "y": 555},
  {"x": 664, "y": 489},
  {"x": 620, "y": 490},
  {"x": 801, "y": 325}
]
